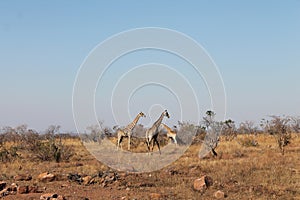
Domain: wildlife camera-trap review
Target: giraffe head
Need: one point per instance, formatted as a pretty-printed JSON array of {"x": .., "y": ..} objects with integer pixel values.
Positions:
[
  {"x": 175, "y": 130},
  {"x": 166, "y": 114},
  {"x": 141, "y": 114}
]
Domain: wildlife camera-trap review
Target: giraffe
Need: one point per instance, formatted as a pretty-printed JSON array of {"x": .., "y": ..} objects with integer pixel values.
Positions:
[
  {"x": 127, "y": 131},
  {"x": 171, "y": 133},
  {"x": 152, "y": 133}
]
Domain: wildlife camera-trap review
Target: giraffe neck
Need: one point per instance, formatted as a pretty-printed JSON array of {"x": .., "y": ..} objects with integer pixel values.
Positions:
[
  {"x": 158, "y": 122},
  {"x": 168, "y": 128},
  {"x": 133, "y": 123}
]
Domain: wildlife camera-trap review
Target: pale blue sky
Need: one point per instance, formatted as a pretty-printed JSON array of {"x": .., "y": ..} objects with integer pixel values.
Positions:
[{"x": 255, "y": 44}]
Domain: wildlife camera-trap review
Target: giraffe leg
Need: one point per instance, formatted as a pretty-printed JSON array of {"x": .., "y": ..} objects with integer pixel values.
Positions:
[
  {"x": 119, "y": 140},
  {"x": 175, "y": 141},
  {"x": 129, "y": 137},
  {"x": 157, "y": 144},
  {"x": 148, "y": 145},
  {"x": 148, "y": 142},
  {"x": 153, "y": 142},
  {"x": 214, "y": 152}
]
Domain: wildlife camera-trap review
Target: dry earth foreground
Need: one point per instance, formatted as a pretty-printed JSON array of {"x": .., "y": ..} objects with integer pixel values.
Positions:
[{"x": 239, "y": 171}]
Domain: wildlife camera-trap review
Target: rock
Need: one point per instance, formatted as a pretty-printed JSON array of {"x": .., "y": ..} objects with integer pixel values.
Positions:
[
  {"x": 47, "y": 196},
  {"x": 199, "y": 184},
  {"x": 22, "y": 177},
  {"x": 2, "y": 185},
  {"x": 60, "y": 197},
  {"x": 46, "y": 177},
  {"x": 209, "y": 181},
  {"x": 75, "y": 177},
  {"x": 122, "y": 175},
  {"x": 51, "y": 196},
  {"x": 14, "y": 187},
  {"x": 22, "y": 189},
  {"x": 219, "y": 194},
  {"x": 35, "y": 189},
  {"x": 155, "y": 196},
  {"x": 202, "y": 183},
  {"x": 65, "y": 185},
  {"x": 78, "y": 164},
  {"x": 86, "y": 180},
  {"x": 172, "y": 172},
  {"x": 4, "y": 192}
]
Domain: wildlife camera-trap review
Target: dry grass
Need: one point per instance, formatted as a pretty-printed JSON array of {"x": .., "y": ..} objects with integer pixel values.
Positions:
[{"x": 242, "y": 172}]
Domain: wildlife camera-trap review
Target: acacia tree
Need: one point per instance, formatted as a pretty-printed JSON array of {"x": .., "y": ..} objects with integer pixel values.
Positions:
[
  {"x": 208, "y": 120},
  {"x": 229, "y": 130},
  {"x": 212, "y": 137}
]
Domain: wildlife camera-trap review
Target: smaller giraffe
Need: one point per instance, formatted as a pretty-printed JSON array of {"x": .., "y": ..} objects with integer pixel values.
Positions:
[
  {"x": 127, "y": 131},
  {"x": 171, "y": 133},
  {"x": 152, "y": 133}
]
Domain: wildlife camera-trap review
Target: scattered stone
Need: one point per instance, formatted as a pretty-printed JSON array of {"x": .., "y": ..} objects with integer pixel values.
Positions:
[
  {"x": 219, "y": 194},
  {"x": 155, "y": 196},
  {"x": 209, "y": 181},
  {"x": 65, "y": 185},
  {"x": 122, "y": 175},
  {"x": 296, "y": 171},
  {"x": 202, "y": 183},
  {"x": 4, "y": 192},
  {"x": 35, "y": 189},
  {"x": 87, "y": 180},
  {"x": 199, "y": 184},
  {"x": 22, "y": 177},
  {"x": 2, "y": 185},
  {"x": 14, "y": 187},
  {"x": 46, "y": 177},
  {"x": 75, "y": 177},
  {"x": 251, "y": 189},
  {"x": 22, "y": 189},
  {"x": 78, "y": 164},
  {"x": 60, "y": 197},
  {"x": 171, "y": 172},
  {"x": 51, "y": 196},
  {"x": 48, "y": 196}
]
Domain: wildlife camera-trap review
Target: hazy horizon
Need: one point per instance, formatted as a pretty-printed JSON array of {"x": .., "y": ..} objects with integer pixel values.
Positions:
[{"x": 255, "y": 45}]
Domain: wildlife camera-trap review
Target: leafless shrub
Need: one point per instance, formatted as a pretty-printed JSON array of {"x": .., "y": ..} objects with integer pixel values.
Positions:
[
  {"x": 139, "y": 131},
  {"x": 295, "y": 124},
  {"x": 248, "y": 127},
  {"x": 280, "y": 127},
  {"x": 186, "y": 133},
  {"x": 94, "y": 133},
  {"x": 10, "y": 134}
]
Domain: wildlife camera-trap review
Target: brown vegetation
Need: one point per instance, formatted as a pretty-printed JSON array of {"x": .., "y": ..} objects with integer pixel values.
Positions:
[{"x": 240, "y": 171}]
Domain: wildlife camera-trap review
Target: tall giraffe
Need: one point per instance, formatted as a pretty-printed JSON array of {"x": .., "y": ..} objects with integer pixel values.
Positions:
[
  {"x": 171, "y": 133},
  {"x": 127, "y": 131},
  {"x": 152, "y": 133}
]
